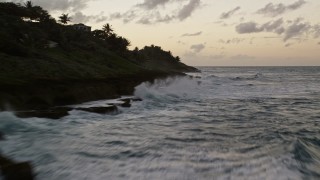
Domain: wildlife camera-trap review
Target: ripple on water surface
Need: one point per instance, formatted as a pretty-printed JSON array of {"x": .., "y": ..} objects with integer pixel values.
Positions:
[{"x": 232, "y": 123}]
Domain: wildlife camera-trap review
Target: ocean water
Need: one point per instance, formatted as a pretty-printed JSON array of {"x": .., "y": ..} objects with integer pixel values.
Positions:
[{"x": 228, "y": 123}]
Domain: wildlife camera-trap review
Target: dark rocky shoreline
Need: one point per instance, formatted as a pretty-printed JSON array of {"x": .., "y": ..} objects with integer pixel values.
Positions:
[
  {"x": 45, "y": 94},
  {"x": 12, "y": 170},
  {"x": 47, "y": 99}
]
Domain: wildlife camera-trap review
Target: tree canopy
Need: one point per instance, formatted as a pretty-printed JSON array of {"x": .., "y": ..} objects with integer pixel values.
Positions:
[
  {"x": 64, "y": 18},
  {"x": 107, "y": 29},
  {"x": 28, "y": 29}
]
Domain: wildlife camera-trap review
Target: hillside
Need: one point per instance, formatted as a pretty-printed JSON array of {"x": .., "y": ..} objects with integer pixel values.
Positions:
[{"x": 43, "y": 60}]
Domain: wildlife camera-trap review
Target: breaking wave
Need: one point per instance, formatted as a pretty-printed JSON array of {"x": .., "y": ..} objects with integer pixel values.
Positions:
[{"x": 223, "y": 123}]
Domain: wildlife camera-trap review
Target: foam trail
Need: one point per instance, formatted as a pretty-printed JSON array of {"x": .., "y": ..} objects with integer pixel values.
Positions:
[{"x": 260, "y": 126}]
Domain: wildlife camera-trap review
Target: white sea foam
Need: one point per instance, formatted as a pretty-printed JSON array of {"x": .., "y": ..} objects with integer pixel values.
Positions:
[
  {"x": 181, "y": 87},
  {"x": 214, "y": 127}
]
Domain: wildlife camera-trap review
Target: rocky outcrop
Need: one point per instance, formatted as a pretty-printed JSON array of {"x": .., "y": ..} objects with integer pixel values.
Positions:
[
  {"x": 44, "y": 94},
  {"x": 11, "y": 170},
  {"x": 136, "y": 99},
  {"x": 100, "y": 110},
  {"x": 17, "y": 171},
  {"x": 126, "y": 102},
  {"x": 52, "y": 113},
  {"x": 1, "y": 136},
  {"x": 62, "y": 111}
]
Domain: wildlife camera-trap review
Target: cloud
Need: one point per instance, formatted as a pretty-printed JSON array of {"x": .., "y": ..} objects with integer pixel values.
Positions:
[
  {"x": 278, "y": 9},
  {"x": 144, "y": 20},
  {"x": 197, "y": 47},
  {"x": 126, "y": 17},
  {"x": 296, "y": 29},
  {"x": 290, "y": 30},
  {"x": 316, "y": 30},
  {"x": 192, "y": 34},
  {"x": 232, "y": 41},
  {"x": 228, "y": 14},
  {"x": 79, "y": 17},
  {"x": 274, "y": 26},
  {"x": 188, "y": 9},
  {"x": 248, "y": 27},
  {"x": 296, "y": 5},
  {"x": 59, "y": 5},
  {"x": 148, "y": 12},
  {"x": 151, "y": 4},
  {"x": 253, "y": 27},
  {"x": 101, "y": 18},
  {"x": 155, "y": 17}
]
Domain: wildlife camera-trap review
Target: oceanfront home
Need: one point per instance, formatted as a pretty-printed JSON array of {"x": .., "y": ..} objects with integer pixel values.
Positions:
[{"x": 82, "y": 27}]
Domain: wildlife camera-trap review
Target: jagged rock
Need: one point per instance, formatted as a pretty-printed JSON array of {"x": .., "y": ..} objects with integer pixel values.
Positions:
[
  {"x": 136, "y": 99},
  {"x": 126, "y": 104},
  {"x": 126, "y": 100},
  {"x": 1, "y": 136},
  {"x": 194, "y": 77},
  {"x": 5, "y": 161},
  {"x": 11, "y": 170},
  {"x": 100, "y": 110},
  {"x": 115, "y": 103},
  {"x": 17, "y": 171},
  {"x": 53, "y": 113}
]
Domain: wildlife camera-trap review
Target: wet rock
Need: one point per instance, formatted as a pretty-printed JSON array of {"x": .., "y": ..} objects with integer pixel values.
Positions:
[
  {"x": 1, "y": 136},
  {"x": 194, "y": 77},
  {"x": 126, "y": 104},
  {"x": 62, "y": 108},
  {"x": 126, "y": 100},
  {"x": 17, "y": 171},
  {"x": 100, "y": 110},
  {"x": 136, "y": 99},
  {"x": 115, "y": 103},
  {"x": 5, "y": 161},
  {"x": 11, "y": 170},
  {"x": 53, "y": 113}
]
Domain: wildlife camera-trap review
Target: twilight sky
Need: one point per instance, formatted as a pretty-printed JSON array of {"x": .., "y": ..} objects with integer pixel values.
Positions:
[{"x": 209, "y": 32}]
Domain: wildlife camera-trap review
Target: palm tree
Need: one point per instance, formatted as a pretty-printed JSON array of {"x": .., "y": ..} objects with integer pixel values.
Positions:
[
  {"x": 64, "y": 18},
  {"x": 107, "y": 29},
  {"x": 28, "y": 5},
  {"x": 30, "y": 10}
]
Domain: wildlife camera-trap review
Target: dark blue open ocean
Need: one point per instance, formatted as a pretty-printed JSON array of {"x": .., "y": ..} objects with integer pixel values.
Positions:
[{"x": 228, "y": 123}]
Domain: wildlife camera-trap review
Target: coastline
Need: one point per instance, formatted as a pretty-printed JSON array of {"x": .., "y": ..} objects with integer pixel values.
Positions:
[
  {"x": 48, "y": 64},
  {"x": 45, "y": 94}
]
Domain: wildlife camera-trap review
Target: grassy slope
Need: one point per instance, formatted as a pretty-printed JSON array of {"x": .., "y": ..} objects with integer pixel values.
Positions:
[
  {"x": 84, "y": 66},
  {"x": 56, "y": 64}
]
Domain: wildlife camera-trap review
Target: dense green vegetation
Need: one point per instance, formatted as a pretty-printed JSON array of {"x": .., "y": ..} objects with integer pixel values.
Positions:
[{"x": 35, "y": 46}]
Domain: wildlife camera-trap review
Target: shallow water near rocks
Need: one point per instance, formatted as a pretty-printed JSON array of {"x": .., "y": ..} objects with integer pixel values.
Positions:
[{"x": 232, "y": 123}]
